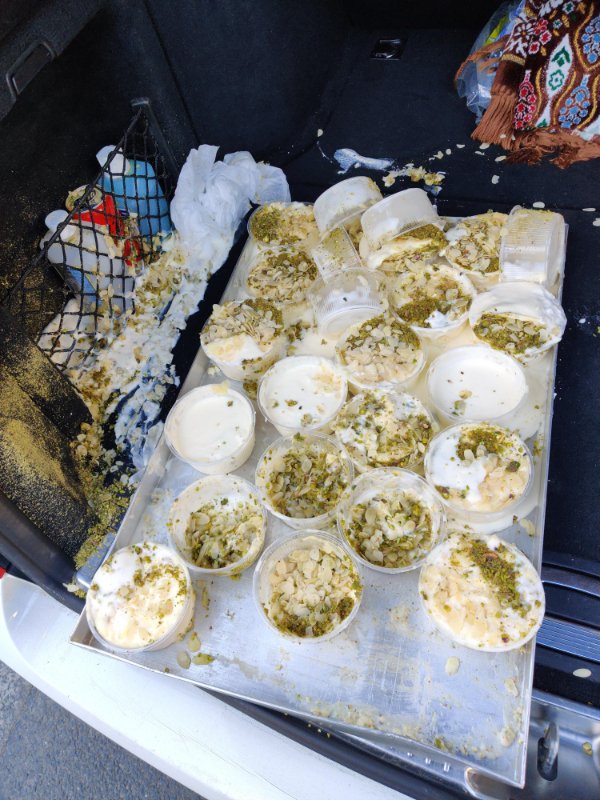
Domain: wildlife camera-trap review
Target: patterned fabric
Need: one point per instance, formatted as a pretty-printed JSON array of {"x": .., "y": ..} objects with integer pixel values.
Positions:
[{"x": 556, "y": 43}]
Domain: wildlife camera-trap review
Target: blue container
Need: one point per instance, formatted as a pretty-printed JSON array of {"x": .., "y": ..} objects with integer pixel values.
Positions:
[{"x": 136, "y": 190}]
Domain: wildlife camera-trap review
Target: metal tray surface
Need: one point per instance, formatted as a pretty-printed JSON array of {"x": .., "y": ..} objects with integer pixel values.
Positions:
[{"x": 383, "y": 680}]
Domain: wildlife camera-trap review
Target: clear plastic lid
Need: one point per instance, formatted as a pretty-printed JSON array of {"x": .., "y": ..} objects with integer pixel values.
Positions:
[
  {"x": 532, "y": 245},
  {"x": 398, "y": 214},
  {"x": 345, "y": 299},
  {"x": 343, "y": 202},
  {"x": 334, "y": 253}
]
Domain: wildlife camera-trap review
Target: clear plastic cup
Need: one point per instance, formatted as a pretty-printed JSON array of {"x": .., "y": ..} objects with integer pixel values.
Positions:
[
  {"x": 528, "y": 302},
  {"x": 302, "y": 393},
  {"x": 345, "y": 299},
  {"x": 242, "y": 362},
  {"x": 476, "y": 620},
  {"x": 398, "y": 214},
  {"x": 217, "y": 488},
  {"x": 475, "y": 383},
  {"x": 343, "y": 202},
  {"x": 442, "y": 326},
  {"x": 281, "y": 275},
  {"x": 211, "y": 428},
  {"x": 379, "y": 373},
  {"x": 281, "y": 549},
  {"x": 532, "y": 245},
  {"x": 119, "y": 571},
  {"x": 367, "y": 412},
  {"x": 390, "y": 483},
  {"x": 446, "y": 472},
  {"x": 334, "y": 253},
  {"x": 277, "y": 223},
  {"x": 476, "y": 241},
  {"x": 272, "y": 461}
]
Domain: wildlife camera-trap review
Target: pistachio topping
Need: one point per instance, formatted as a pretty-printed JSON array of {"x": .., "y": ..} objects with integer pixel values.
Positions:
[
  {"x": 283, "y": 276},
  {"x": 381, "y": 349},
  {"x": 313, "y": 590},
  {"x": 511, "y": 333},
  {"x": 383, "y": 430},
  {"x": 409, "y": 250},
  {"x": 431, "y": 297},
  {"x": 282, "y": 224},
  {"x": 221, "y": 532},
  {"x": 390, "y": 530},
  {"x": 307, "y": 479}
]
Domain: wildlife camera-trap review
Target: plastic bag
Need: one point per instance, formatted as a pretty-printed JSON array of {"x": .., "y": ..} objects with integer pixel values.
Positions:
[{"x": 476, "y": 77}]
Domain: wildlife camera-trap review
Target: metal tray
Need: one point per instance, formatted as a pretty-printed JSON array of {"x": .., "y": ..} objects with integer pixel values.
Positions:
[{"x": 383, "y": 681}]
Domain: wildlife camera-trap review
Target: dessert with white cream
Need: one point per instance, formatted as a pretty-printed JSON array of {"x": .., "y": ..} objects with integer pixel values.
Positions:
[
  {"x": 382, "y": 429},
  {"x": 282, "y": 275},
  {"x": 482, "y": 592},
  {"x": 478, "y": 467},
  {"x": 380, "y": 351},
  {"x": 243, "y": 337},
  {"x": 282, "y": 223},
  {"x": 141, "y": 597},
  {"x": 212, "y": 428},
  {"x": 415, "y": 247},
  {"x": 311, "y": 587},
  {"x": 474, "y": 246},
  {"x": 302, "y": 393},
  {"x": 433, "y": 297}
]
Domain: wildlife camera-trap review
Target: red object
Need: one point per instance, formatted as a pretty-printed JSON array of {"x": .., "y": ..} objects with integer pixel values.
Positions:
[
  {"x": 2, "y": 572},
  {"x": 106, "y": 214}
]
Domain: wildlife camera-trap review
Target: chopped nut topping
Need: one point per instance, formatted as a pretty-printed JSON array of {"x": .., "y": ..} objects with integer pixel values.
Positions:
[
  {"x": 511, "y": 333},
  {"x": 381, "y": 349},
  {"x": 221, "y": 533},
  {"x": 390, "y": 530},
  {"x": 282, "y": 224},
  {"x": 258, "y": 319},
  {"x": 431, "y": 297},
  {"x": 476, "y": 245},
  {"x": 283, "y": 276}
]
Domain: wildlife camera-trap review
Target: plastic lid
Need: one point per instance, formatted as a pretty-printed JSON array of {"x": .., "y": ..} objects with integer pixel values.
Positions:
[
  {"x": 345, "y": 299},
  {"x": 531, "y": 244},
  {"x": 334, "y": 253},
  {"x": 118, "y": 165},
  {"x": 54, "y": 219},
  {"x": 398, "y": 214},
  {"x": 344, "y": 201}
]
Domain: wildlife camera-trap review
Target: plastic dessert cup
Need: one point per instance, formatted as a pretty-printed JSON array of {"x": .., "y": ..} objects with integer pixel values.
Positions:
[
  {"x": 441, "y": 325},
  {"x": 327, "y": 495},
  {"x": 302, "y": 393},
  {"x": 475, "y": 383},
  {"x": 145, "y": 618},
  {"x": 311, "y": 541},
  {"x": 278, "y": 223},
  {"x": 343, "y": 202},
  {"x": 476, "y": 605},
  {"x": 528, "y": 303},
  {"x": 334, "y": 253},
  {"x": 224, "y": 493},
  {"x": 211, "y": 428},
  {"x": 389, "y": 484},
  {"x": 459, "y": 480},
  {"x": 398, "y": 214}
]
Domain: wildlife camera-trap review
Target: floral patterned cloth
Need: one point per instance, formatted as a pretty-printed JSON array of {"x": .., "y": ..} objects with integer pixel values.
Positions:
[{"x": 547, "y": 89}]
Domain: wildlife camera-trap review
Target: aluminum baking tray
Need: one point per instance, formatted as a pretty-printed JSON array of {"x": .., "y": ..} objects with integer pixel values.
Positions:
[{"x": 383, "y": 681}]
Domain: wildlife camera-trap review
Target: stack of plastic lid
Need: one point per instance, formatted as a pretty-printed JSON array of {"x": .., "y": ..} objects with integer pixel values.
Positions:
[
  {"x": 398, "y": 214},
  {"x": 532, "y": 246},
  {"x": 346, "y": 298}
]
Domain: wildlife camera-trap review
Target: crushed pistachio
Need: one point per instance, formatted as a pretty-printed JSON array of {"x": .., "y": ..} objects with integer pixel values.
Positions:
[
  {"x": 510, "y": 333},
  {"x": 259, "y": 319},
  {"x": 477, "y": 246},
  {"x": 282, "y": 224},
  {"x": 419, "y": 297}
]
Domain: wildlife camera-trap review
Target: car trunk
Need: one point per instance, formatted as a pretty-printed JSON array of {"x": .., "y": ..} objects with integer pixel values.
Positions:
[{"x": 292, "y": 83}]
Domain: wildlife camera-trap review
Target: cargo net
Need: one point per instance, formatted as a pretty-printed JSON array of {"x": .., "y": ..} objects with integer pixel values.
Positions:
[{"x": 78, "y": 292}]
